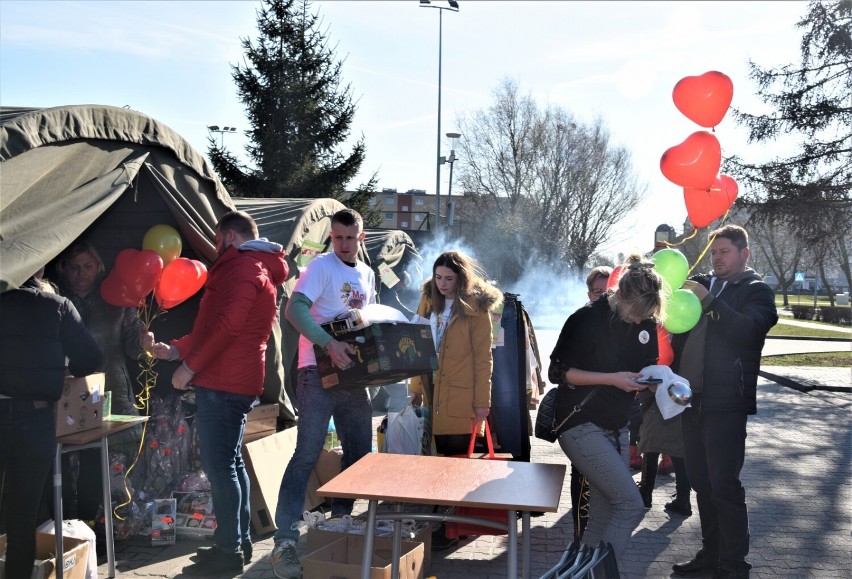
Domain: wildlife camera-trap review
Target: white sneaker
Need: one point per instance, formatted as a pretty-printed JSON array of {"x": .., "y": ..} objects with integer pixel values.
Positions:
[{"x": 285, "y": 561}]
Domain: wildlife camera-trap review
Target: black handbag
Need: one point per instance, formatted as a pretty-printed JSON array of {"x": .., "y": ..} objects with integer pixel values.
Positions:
[{"x": 546, "y": 427}]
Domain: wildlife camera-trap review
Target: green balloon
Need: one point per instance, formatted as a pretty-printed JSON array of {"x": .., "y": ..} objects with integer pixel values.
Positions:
[
  {"x": 682, "y": 311},
  {"x": 672, "y": 267}
]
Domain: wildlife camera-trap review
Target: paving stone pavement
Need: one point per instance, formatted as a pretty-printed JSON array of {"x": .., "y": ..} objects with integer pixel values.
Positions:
[{"x": 797, "y": 480}]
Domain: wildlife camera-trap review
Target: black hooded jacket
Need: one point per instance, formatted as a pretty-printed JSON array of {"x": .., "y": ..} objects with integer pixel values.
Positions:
[{"x": 737, "y": 322}]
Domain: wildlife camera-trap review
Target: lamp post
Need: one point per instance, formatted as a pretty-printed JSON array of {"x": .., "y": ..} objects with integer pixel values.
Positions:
[
  {"x": 451, "y": 159},
  {"x": 453, "y": 7},
  {"x": 222, "y": 131}
]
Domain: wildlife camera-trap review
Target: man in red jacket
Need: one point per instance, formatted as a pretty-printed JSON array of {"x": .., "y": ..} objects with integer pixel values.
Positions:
[{"x": 223, "y": 357}]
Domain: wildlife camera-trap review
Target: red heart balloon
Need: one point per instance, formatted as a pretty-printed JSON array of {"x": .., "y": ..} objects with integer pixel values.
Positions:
[
  {"x": 704, "y": 206},
  {"x": 694, "y": 163},
  {"x": 139, "y": 270},
  {"x": 114, "y": 292},
  {"x": 181, "y": 279},
  {"x": 615, "y": 277},
  {"x": 704, "y": 99}
]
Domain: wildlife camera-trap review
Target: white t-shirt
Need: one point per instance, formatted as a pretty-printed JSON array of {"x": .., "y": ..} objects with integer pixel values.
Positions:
[
  {"x": 334, "y": 288},
  {"x": 440, "y": 322}
]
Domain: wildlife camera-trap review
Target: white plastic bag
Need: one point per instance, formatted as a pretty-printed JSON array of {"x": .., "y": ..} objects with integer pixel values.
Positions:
[
  {"x": 668, "y": 407},
  {"x": 404, "y": 432}
]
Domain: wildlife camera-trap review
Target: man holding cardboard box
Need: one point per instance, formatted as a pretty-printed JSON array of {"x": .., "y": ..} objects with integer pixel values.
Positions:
[
  {"x": 224, "y": 358},
  {"x": 332, "y": 284},
  {"x": 38, "y": 331}
]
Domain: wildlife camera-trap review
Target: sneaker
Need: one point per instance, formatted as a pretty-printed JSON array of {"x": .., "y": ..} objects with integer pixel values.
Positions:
[
  {"x": 285, "y": 561},
  {"x": 216, "y": 563},
  {"x": 680, "y": 507},
  {"x": 203, "y": 552}
]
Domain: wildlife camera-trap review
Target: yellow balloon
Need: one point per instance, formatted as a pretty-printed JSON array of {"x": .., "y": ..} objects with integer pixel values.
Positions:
[{"x": 165, "y": 240}]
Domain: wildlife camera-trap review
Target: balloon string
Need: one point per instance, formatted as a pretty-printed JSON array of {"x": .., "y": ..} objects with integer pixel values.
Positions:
[{"x": 709, "y": 243}]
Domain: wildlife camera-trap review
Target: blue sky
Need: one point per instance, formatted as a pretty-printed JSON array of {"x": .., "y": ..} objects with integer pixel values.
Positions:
[{"x": 617, "y": 60}]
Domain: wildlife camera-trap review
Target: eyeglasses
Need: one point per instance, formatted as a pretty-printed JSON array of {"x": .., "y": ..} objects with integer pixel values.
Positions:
[{"x": 597, "y": 292}]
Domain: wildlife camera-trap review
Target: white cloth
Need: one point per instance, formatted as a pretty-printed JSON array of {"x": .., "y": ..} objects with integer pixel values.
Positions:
[
  {"x": 668, "y": 407},
  {"x": 334, "y": 288}
]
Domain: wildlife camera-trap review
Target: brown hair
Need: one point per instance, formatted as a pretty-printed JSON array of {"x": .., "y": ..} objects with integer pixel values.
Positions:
[
  {"x": 470, "y": 284},
  {"x": 737, "y": 235},
  {"x": 640, "y": 290},
  {"x": 239, "y": 222},
  {"x": 72, "y": 251},
  {"x": 348, "y": 218}
]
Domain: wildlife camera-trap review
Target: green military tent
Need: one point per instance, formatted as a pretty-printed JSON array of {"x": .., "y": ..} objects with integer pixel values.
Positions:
[{"x": 105, "y": 175}]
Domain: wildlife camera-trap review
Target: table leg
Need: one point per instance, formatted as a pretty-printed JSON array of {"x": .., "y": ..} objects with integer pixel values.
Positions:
[
  {"x": 397, "y": 543},
  {"x": 369, "y": 539},
  {"x": 512, "y": 551},
  {"x": 110, "y": 540},
  {"x": 57, "y": 506},
  {"x": 527, "y": 556}
]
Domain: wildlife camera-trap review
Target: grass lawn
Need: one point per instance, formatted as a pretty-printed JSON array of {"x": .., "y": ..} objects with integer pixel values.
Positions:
[
  {"x": 825, "y": 359},
  {"x": 801, "y": 300},
  {"x": 829, "y": 330}
]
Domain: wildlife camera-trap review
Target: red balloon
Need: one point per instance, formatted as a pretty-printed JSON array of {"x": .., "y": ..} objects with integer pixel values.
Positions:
[
  {"x": 704, "y": 99},
  {"x": 704, "y": 206},
  {"x": 139, "y": 270},
  {"x": 694, "y": 163},
  {"x": 615, "y": 277},
  {"x": 665, "y": 353},
  {"x": 114, "y": 292},
  {"x": 181, "y": 279}
]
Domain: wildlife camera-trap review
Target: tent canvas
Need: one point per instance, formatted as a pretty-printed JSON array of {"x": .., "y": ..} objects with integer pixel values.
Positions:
[{"x": 105, "y": 175}]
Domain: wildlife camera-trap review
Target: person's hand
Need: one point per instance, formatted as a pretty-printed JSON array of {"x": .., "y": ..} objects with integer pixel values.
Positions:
[
  {"x": 339, "y": 353},
  {"x": 181, "y": 378},
  {"x": 699, "y": 290},
  {"x": 146, "y": 340},
  {"x": 157, "y": 349},
  {"x": 480, "y": 414},
  {"x": 627, "y": 381}
]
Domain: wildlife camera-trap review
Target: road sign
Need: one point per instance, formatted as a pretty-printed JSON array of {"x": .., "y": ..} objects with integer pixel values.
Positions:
[{"x": 800, "y": 277}]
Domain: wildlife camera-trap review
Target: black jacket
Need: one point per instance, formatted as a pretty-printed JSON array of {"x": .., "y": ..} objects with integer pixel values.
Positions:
[
  {"x": 38, "y": 330},
  {"x": 737, "y": 323}
]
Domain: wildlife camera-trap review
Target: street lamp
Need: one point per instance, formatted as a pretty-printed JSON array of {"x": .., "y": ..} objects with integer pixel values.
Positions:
[
  {"x": 222, "y": 131},
  {"x": 452, "y": 159},
  {"x": 454, "y": 7}
]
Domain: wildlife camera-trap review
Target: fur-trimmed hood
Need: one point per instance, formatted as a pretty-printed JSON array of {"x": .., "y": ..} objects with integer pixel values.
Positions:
[{"x": 483, "y": 298}]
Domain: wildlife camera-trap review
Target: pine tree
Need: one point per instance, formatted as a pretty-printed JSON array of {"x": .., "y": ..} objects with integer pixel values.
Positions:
[
  {"x": 298, "y": 110},
  {"x": 809, "y": 190}
]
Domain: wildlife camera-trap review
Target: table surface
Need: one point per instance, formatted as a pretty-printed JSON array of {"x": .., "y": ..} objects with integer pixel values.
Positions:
[
  {"x": 496, "y": 484},
  {"x": 108, "y": 427}
]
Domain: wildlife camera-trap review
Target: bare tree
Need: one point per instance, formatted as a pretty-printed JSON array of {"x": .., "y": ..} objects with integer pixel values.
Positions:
[
  {"x": 557, "y": 186},
  {"x": 780, "y": 250}
]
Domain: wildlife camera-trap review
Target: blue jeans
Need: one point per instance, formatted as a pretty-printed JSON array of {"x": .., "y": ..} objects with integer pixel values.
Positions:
[
  {"x": 221, "y": 423},
  {"x": 27, "y": 448},
  {"x": 615, "y": 505},
  {"x": 353, "y": 419},
  {"x": 714, "y": 448}
]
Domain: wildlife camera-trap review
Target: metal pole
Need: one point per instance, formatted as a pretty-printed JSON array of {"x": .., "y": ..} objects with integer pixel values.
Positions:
[
  {"x": 438, "y": 153},
  {"x": 450, "y": 212}
]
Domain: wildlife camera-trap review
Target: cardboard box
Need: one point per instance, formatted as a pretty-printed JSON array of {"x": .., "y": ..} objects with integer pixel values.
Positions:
[
  {"x": 341, "y": 559},
  {"x": 318, "y": 538},
  {"x": 266, "y": 459},
  {"x": 385, "y": 353},
  {"x": 75, "y": 555},
  {"x": 163, "y": 521},
  {"x": 81, "y": 406},
  {"x": 263, "y": 412}
]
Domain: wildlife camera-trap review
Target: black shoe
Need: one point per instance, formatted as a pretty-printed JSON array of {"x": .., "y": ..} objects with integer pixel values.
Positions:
[
  {"x": 680, "y": 507},
  {"x": 725, "y": 574},
  {"x": 441, "y": 542},
  {"x": 204, "y": 552},
  {"x": 216, "y": 563},
  {"x": 701, "y": 564}
]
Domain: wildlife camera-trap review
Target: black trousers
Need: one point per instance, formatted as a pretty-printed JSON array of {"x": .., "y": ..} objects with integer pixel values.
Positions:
[
  {"x": 714, "y": 447},
  {"x": 27, "y": 448}
]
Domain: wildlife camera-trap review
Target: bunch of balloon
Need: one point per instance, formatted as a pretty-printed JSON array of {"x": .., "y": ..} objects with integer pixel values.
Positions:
[
  {"x": 694, "y": 164},
  {"x": 682, "y": 307}
]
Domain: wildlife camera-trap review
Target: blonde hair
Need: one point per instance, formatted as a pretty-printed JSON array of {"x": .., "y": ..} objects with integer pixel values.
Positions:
[{"x": 640, "y": 290}]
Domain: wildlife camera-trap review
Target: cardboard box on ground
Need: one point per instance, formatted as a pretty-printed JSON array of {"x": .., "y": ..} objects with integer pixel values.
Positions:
[
  {"x": 341, "y": 559},
  {"x": 385, "y": 353},
  {"x": 260, "y": 422},
  {"x": 75, "y": 553},
  {"x": 266, "y": 459},
  {"x": 81, "y": 406},
  {"x": 319, "y": 538}
]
